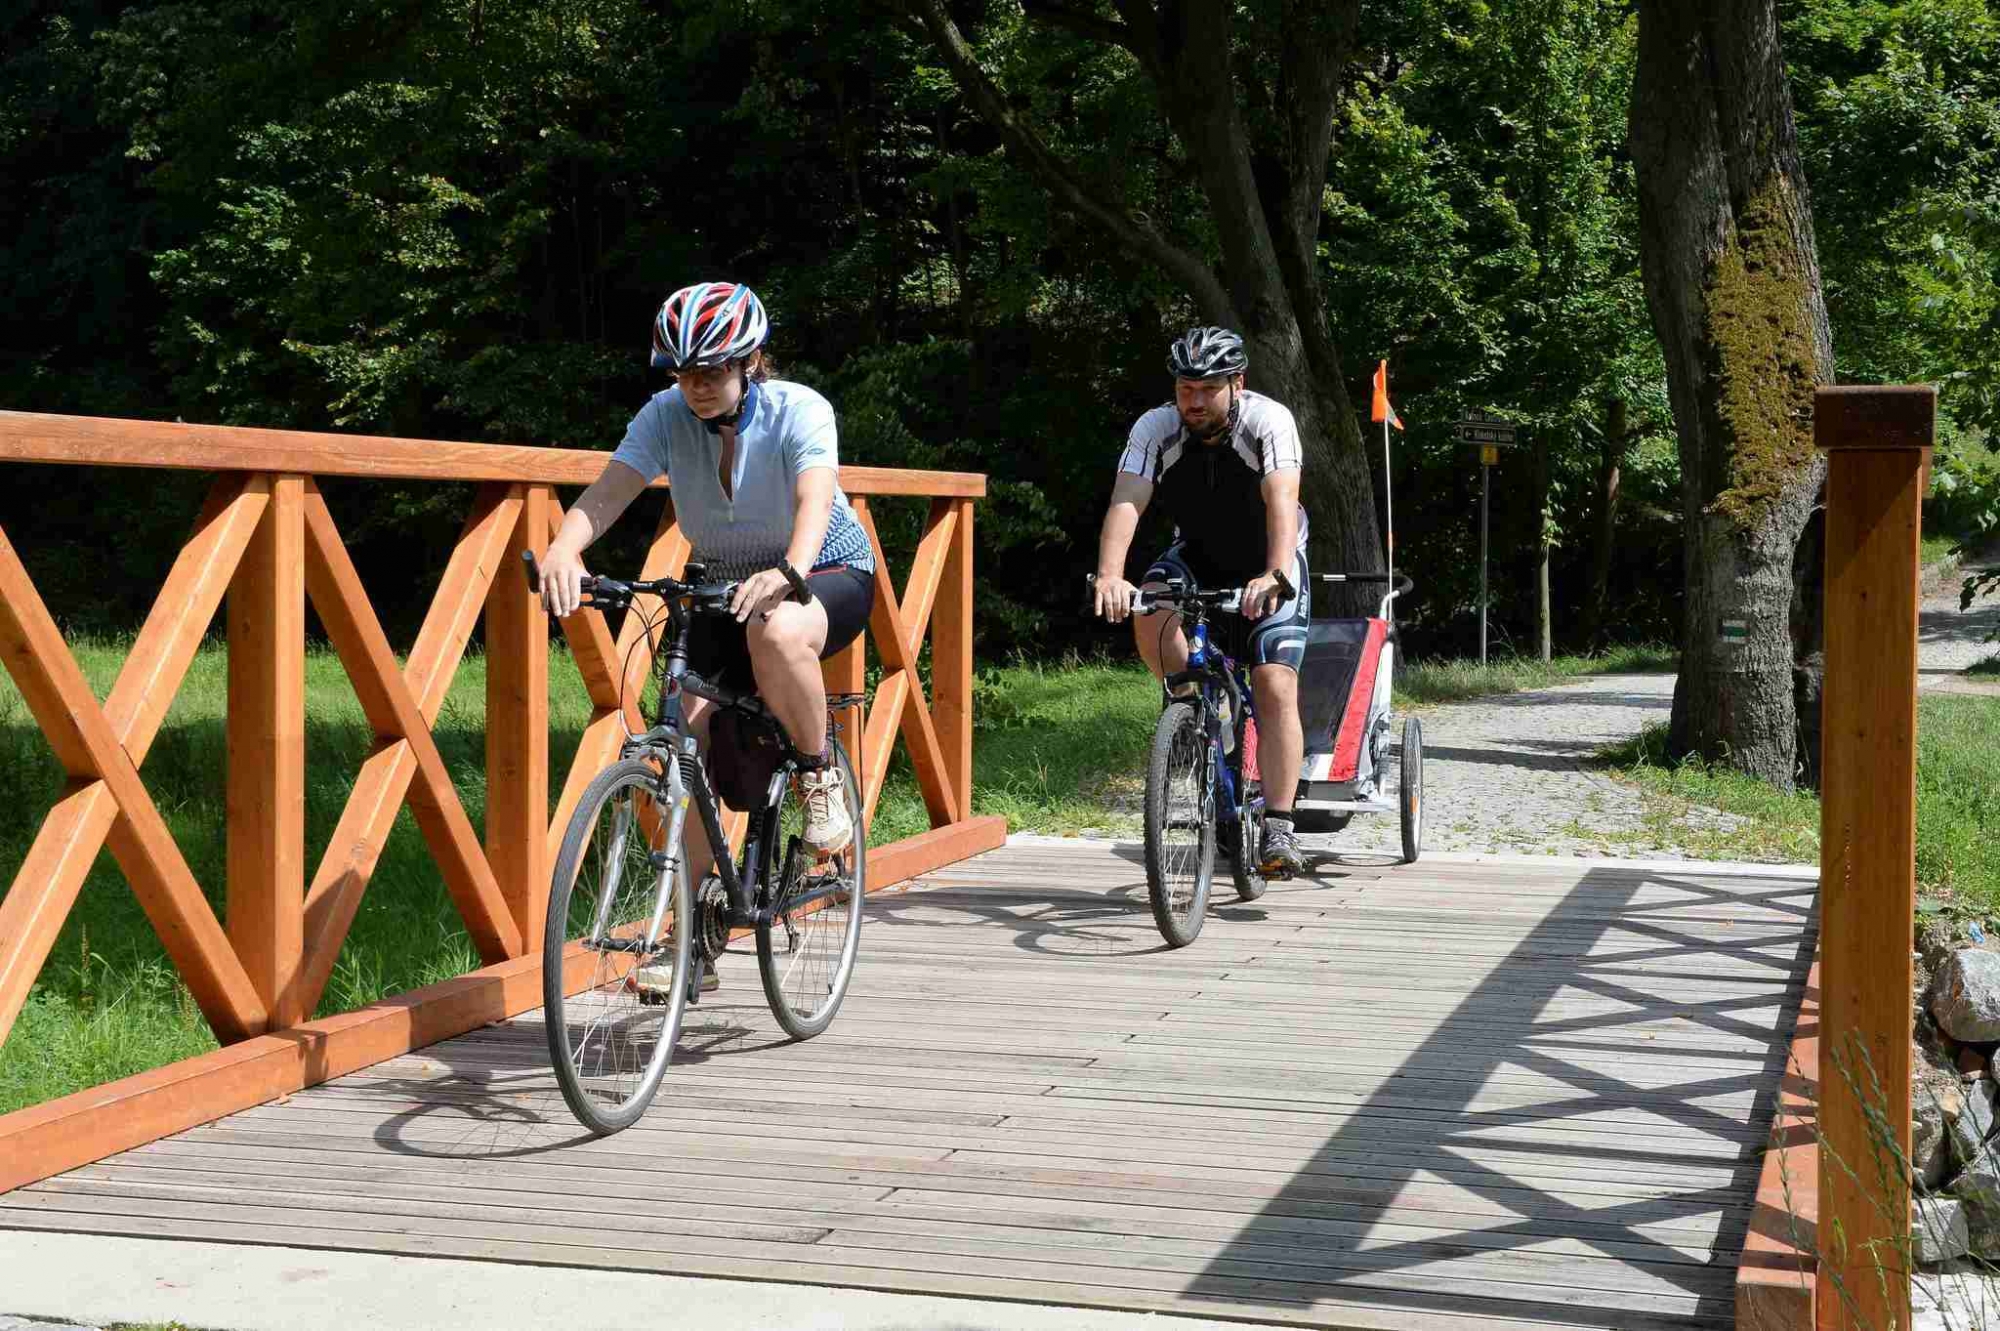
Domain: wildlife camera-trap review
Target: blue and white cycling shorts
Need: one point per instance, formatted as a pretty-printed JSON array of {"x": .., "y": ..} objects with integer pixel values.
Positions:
[{"x": 1279, "y": 638}]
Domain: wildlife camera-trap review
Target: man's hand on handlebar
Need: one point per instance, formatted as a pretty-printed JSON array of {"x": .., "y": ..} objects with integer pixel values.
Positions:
[
  {"x": 1115, "y": 597},
  {"x": 562, "y": 581},
  {"x": 1262, "y": 594}
]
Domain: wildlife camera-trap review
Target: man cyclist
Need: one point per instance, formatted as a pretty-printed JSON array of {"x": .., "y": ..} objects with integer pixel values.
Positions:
[{"x": 1225, "y": 461}]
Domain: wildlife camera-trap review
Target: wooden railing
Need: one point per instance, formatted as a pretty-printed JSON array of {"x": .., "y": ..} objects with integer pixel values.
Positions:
[
  {"x": 1830, "y": 1237},
  {"x": 266, "y": 540}
]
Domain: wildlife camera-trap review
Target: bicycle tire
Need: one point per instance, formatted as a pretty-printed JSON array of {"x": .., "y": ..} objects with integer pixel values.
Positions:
[
  {"x": 1181, "y": 748},
  {"x": 610, "y": 1041},
  {"x": 805, "y": 982},
  {"x": 1411, "y": 776},
  {"x": 1250, "y": 883}
]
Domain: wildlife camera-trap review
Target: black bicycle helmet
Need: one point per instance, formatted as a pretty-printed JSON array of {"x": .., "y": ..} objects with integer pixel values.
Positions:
[{"x": 1207, "y": 353}]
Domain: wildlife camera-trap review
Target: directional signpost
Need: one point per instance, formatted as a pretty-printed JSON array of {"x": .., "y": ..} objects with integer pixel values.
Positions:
[{"x": 1491, "y": 434}]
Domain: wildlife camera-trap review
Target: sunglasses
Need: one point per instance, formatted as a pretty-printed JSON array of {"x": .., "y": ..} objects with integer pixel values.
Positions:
[{"x": 707, "y": 376}]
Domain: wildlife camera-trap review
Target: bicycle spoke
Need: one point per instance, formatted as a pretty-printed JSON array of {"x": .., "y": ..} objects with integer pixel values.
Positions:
[{"x": 611, "y": 1038}]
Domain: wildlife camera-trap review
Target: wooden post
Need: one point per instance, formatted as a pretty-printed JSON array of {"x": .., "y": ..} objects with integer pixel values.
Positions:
[
  {"x": 1878, "y": 442},
  {"x": 266, "y": 794},
  {"x": 517, "y": 726},
  {"x": 951, "y": 661}
]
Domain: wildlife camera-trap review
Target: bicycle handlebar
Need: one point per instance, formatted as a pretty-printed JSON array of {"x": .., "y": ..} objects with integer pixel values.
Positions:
[
  {"x": 1176, "y": 594},
  {"x": 613, "y": 594}
]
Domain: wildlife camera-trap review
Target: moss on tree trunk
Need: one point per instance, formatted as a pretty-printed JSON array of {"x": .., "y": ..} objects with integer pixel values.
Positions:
[{"x": 1732, "y": 281}]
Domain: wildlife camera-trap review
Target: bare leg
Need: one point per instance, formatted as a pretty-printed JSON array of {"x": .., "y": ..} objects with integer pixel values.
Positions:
[
  {"x": 784, "y": 656},
  {"x": 694, "y": 837},
  {"x": 1163, "y": 655},
  {"x": 1281, "y": 740}
]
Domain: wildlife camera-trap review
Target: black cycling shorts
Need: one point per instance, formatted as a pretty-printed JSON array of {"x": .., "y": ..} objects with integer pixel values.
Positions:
[
  {"x": 719, "y": 648},
  {"x": 1279, "y": 638}
]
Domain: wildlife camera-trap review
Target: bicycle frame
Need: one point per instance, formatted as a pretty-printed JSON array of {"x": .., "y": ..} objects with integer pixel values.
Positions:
[
  {"x": 687, "y": 778},
  {"x": 1215, "y": 674}
]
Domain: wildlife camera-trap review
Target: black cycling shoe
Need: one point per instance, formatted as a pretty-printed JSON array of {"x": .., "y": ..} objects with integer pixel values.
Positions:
[{"x": 1279, "y": 856}]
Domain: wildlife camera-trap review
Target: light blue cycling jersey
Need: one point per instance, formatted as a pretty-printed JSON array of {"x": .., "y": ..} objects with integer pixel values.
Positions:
[{"x": 785, "y": 431}]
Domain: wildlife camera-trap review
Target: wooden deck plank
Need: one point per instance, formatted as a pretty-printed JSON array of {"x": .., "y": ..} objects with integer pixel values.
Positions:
[{"x": 1437, "y": 1096}]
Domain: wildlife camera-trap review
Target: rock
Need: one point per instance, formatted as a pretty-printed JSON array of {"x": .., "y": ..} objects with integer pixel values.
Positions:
[
  {"x": 1939, "y": 1228},
  {"x": 1968, "y": 1129},
  {"x": 1929, "y": 1156},
  {"x": 1979, "y": 1188},
  {"x": 1971, "y": 1062},
  {"x": 1966, "y": 996}
]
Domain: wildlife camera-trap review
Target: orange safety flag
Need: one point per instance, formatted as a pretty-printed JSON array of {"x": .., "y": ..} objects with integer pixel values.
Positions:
[{"x": 1382, "y": 410}]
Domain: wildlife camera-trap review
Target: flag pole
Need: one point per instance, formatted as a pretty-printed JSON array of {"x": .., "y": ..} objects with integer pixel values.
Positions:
[{"x": 1389, "y": 504}]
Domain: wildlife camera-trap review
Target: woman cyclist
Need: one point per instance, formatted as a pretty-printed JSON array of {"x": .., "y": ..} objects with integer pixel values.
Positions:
[{"x": 752, "y": 464}]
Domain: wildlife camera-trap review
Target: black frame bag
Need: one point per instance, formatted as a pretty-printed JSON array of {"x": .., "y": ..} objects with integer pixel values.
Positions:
[{"x": 743, "y": 753}]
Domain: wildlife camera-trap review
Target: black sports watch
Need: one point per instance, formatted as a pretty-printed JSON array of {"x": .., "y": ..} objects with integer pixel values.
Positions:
[{"x": 800, "y": 592}]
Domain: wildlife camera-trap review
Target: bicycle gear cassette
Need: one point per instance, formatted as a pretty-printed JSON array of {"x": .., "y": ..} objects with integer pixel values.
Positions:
[{"x": 712, "y": 909}]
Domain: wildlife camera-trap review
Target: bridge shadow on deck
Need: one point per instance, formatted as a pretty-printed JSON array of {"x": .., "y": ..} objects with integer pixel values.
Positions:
[{"x": 1430, "y": 1098}]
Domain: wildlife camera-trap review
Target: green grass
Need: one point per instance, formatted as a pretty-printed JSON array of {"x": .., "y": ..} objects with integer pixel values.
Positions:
[
  {"x": 1936, "y": 551},
  {"x": 1958, "y": 803},
  {"x": 1424, "y": 682},
  {"x": 1053, "y": 746}
]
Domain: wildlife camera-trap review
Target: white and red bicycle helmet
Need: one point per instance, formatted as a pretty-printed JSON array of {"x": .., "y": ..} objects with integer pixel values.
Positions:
[{"x": 709, "y": 323}]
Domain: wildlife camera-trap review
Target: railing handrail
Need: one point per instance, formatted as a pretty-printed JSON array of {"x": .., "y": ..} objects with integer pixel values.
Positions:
[{"x": 113, "y": 441}]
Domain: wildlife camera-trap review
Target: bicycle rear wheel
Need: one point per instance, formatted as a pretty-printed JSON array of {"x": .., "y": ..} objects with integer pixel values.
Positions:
[
  {"x": 806, "y": 954},
  {"x": 610, "y": 1037},
  {"x": 1180, "y": 822}
]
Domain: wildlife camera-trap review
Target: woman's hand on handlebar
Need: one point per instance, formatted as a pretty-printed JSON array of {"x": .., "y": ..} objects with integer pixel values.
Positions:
[
  {"x": 562, "y": 581},
  {"x": 1115, "y": 597},
  {"x": 759, "y": 594}
]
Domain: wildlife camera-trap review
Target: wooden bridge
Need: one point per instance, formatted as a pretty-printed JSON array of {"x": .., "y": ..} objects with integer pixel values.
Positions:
[
  {"x": 1448, "y": 1095},
  {"x": 1461, "y": 1093}
]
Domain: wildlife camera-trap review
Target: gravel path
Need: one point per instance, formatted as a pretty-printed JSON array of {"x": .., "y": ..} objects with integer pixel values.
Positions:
[
  {"x": 1511, "y": 774},
  {"x": 1950, "y": 639}
]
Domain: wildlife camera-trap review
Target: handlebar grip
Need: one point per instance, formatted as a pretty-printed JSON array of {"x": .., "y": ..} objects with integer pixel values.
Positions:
[
  {"x": 1284, "y": 584},
  {"x": 533, "y": 570}
]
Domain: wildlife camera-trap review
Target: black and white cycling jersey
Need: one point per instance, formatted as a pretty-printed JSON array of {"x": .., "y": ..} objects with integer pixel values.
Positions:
[{"x": 1213, "y": 491}]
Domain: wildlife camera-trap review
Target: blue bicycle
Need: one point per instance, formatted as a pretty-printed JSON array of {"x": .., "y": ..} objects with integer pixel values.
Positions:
[{"x": 1202, "y": 787}]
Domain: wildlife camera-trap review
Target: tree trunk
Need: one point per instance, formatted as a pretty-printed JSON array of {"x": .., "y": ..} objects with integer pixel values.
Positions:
[
  {"x": 1268, "y": 237},
  {"x": 1732, "y": 280},
  {"x": 1610, "y": 463},
  {"x": 1266, "y": 283}
]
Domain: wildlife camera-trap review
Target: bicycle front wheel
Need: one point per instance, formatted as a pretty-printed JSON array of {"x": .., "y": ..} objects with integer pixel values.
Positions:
[
  {"x": 614, "y": 983},
  {"x": 806, "y": 952},
  {"x": 1180, "y": 822}
]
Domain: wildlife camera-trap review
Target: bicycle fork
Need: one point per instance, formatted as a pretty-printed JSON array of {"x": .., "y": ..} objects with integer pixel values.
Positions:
[{"x": 668, "y": 860}]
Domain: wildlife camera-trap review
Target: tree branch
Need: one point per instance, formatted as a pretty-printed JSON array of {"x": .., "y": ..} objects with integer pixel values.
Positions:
[
  {"x": 1069, "y": 189},
  {"x": 1108, "y": 31}
]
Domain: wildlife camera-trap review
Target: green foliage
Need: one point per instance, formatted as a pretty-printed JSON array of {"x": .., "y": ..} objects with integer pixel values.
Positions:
[
  {"x": 454, "y": 221},
  {"x": 1480, "y": 229},
  {"x": 1899, "y": 119}
]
